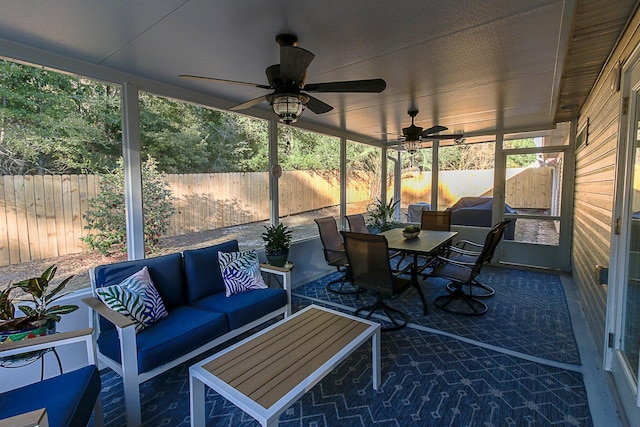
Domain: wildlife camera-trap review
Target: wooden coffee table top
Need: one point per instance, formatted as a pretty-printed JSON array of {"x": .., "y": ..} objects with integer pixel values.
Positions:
[{"x": 268, "y": 366}]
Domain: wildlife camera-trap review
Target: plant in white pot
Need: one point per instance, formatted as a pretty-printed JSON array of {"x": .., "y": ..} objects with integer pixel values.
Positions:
[
  {"x": 277, "y": 242},
  {"x": 34, "y": 298}
]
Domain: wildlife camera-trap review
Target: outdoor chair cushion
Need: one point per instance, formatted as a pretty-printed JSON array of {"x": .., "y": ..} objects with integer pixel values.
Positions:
[
  {"x": 62, "y": 395},
  {"x": 185, "y": 329},
  {"x": 245, "y": 307},
  {"x": 165, "y": 271},
  {"x": 202, "y": 270}
]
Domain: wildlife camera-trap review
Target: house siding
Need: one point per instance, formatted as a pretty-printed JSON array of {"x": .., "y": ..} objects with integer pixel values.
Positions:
[{"x": 595, "y": 186}]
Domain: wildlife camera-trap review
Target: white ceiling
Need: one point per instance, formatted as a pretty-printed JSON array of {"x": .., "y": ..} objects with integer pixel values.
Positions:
[{"x": 471, "y": 65}]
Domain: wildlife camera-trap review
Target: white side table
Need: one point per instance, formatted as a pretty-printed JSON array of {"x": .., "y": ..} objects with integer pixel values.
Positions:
[{"x": 285, "y": 276}]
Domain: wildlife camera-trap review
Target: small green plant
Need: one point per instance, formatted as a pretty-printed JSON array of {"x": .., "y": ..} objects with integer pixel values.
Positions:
[
  {"x": 36, "y": 292},
  {"x": 381, "y": 215},
  {"x": 106, "y": 214},
  {"x": 411, "y": 228},
  {"x": 277, "y": 237}
]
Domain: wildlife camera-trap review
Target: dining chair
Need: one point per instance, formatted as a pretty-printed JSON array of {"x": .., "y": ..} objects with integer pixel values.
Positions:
[
  {"x": 462, "y": 269},
  {"x": 466, "y": 250},
  {"x": 436, "y": 220},
  {"x": 335, "y": 255},
  {"x": 67, "y": 399},
  {"x": 357, "y": 223},
  {"x": 371, "y": 270}
]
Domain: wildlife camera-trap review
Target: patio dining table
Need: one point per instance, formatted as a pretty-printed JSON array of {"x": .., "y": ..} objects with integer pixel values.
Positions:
[{"x": 429, "y": 243}]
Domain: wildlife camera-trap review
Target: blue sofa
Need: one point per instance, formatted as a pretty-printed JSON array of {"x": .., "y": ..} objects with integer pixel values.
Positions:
[{"x": 200, "y": 316}]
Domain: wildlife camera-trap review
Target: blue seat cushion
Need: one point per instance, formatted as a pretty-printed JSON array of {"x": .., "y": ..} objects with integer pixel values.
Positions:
[
  {"x": 202, "y": 270},
  {"x": 69, "y": 398},
  {"x": 183, "y": 330},
  {"x": 244, "y": 307}
]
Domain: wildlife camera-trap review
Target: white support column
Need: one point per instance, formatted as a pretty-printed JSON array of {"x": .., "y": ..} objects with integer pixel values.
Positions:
[
  {"x": 274, "y": 170},
  {"x": 343, "y": 183},
  {"x": 435, "y": 170},
  {"x": 132, "y": 171}
]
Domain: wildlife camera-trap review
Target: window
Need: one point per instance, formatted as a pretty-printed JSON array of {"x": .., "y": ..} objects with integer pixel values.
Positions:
[{"x": 59, "y": 134}]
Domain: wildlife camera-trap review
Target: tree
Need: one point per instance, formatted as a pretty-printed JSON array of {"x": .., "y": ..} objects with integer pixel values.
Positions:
[
  {"x": 56, "y": 123},
  {"x": 106, "y": 214}
]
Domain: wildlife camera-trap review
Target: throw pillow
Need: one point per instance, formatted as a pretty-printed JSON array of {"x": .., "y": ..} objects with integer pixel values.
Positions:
[
  {"x": 136, "y": 297},
  {"x": 240, "y": 271}
]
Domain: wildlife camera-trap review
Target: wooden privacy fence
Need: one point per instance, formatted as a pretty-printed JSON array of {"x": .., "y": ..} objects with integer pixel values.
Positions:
[{"x": 42, "y": 216}]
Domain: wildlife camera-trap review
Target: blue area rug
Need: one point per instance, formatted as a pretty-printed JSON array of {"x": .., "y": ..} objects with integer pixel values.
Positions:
[
  {"x": 428, "y": 379},
  {"x": 528, "y": 314}
]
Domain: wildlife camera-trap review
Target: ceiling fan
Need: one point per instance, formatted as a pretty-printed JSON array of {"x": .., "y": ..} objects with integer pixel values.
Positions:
[
  {"x": 413, "y": 136},
  {"x": 287, "y": 81}
]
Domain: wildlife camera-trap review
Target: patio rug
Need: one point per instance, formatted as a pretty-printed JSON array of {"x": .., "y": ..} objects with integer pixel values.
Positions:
[
  {"x": 528, "y": 313},
  {"x": 427, "y": 380}
]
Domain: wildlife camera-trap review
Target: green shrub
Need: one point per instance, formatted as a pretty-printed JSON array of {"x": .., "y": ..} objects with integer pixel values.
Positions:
[{"x": 106, "y": 214}]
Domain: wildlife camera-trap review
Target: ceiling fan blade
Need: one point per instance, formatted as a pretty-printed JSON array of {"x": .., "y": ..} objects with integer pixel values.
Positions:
[
  {"x": 372, "y": 86},
  {"x": 317, "y": 106},
  {"x": 433, "y": 129},
  {"x": 248, "y": 104},
  {"x": 439, "y": 137},
  {"x": 212, "y": 79},
  {"x": 294, "y": 62}
]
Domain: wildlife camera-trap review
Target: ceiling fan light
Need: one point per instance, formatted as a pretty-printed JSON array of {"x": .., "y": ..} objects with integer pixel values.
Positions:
[
  {"x": 412, "y": 146},
  {"x": 288, "y": 108}
]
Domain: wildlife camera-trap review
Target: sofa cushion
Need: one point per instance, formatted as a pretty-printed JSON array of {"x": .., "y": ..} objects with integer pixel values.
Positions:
[
  {"x": 202, "y": 270},
  {"x": 165, "y": 271},
  {"x": 136, "y": 297},
  {"x": 71, "y": 408},
  {"x": 245, "y": 307},
  {"x": 183, "y": 330},
  {"x": 240, "y": 271}
]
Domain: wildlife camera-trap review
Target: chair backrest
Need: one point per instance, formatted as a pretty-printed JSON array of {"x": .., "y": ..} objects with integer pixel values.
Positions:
[
  {"x": 436, "y": 220},
  {"x": 368, "y": 256},
  {"x": 490, "y": 243},
  {"x": 357, "y": 223},
  {"x": 330, "y": 238}
]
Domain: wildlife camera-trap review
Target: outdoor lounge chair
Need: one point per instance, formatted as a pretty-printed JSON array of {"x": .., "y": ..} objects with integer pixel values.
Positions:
[{"x": 67, "y": 399}]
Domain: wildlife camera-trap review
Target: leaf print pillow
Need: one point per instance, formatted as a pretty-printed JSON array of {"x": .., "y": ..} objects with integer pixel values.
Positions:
[
  {"x": 136, "y": 297},
  {"x": 240, "y": 271}
]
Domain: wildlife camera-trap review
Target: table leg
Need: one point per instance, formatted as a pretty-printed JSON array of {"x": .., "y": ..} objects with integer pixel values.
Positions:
[
  {"x": 376, "y": 359},
  {"x": 416, "y": 283},
  {"x": 196, "y": 401}
]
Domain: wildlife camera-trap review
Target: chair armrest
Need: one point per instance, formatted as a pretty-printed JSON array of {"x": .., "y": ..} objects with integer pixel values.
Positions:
[
  {"x": 462, "y": 243},
  {"x": 119, "y": 320},
  {"x": 46, "y": 341},
  {"x": 463, "y": 251},
  {"x": 37, "y": 418},
  {"x": 468, "y": 265}
]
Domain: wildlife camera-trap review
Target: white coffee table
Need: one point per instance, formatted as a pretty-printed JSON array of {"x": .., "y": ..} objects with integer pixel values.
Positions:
[{"x": 267, "y": 372}]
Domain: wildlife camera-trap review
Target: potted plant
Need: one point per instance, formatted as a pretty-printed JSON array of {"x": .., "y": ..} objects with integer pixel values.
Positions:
[
  {"x": 411, "y": 231},
  {"x": 277, "y": 241},
  {"x": 381, "y": 215},
  {"x": 33, "y": 298}
]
